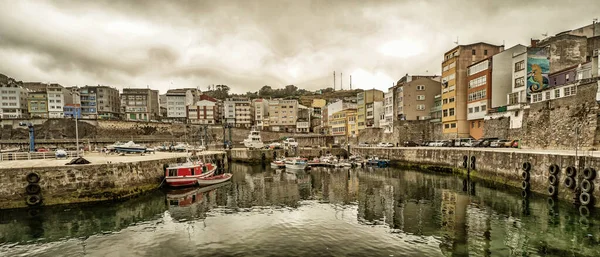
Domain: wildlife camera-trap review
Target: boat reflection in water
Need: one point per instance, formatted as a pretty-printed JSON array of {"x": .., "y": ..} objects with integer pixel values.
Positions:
[{"x": 331, "y": 212}]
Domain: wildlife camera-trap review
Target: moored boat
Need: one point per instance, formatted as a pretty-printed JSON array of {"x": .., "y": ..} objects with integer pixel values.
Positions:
[
  {"x": 130, "y": 147},
  {"x": 207, "y": 181},
  {"x": 296, "y": 163},
  {"x": 188, "y": 173},
  {"x": 254, "y": 140},
  {"x": 278, "y": 164}
]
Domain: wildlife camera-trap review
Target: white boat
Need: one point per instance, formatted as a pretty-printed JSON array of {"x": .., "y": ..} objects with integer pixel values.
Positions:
[
  {"x": 181, "y": 147},
  {"x": 207, "y": 181},
  {"x": 278, "y": 164},
  {"x": 253, "y": 141},
  {"x": 296, "y": 163},
  {"x": 130, "y": 147},
  {"x": 328, "y": 159}
]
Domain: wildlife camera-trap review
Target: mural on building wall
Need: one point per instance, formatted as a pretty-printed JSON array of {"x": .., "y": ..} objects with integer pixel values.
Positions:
[{"x": 538, "y": 67}]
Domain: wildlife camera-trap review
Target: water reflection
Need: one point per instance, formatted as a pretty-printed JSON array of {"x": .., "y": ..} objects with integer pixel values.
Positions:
[{"x": 418, "y": 213}]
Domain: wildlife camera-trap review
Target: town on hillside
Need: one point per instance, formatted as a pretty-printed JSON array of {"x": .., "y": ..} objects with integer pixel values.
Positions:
[{"x": 480, "y": 84}]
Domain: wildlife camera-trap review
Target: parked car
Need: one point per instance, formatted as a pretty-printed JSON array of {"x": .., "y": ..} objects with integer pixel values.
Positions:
[
  {"x": 447, "y": 143},
  {"x": 363, "y": 144},
  {"x": 290, "y": 142},
  {"x": 42, "y": 150},
  {"x": 384, "y": 144},
  {"x": 410, "y": 144},
  {"x": 499, "y": 143},
  {"x": 275, "y": 145},
  {"x": 466, "y": 142},
  {"x": 512, "y": 144},
  {"x": 484, "y": 142},
  {"x": 425, "y": 143}
]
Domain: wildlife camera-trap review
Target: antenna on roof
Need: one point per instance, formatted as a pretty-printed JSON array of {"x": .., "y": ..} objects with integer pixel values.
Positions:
[{"x": 456, "y": 42}]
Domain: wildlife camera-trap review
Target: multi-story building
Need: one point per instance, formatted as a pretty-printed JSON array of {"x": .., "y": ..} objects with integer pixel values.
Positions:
[
  {"x": 343, "y": 123},
  {"x": 479, "y": 76},
  {"x": 72, "y": 106},
  {"x": 303, "y": 120},
  {"x": 502, "y": 75},
  {"x": 140, "y": 104},
  {"x": 283, "y": 115},
  {"x": 436, "y": 110},
  {"x": 332, "y": 108},
  {"x": 387, "y": 121},
  {"x": 100, "y": 102},
  {"x": 55, "y": 96},
  {"x": 373, "y": 111},
  {"x": 238, "y": 112},
  {"x": 203, "y": 112},
  {"x": 317, "y": 106},
  {"x": 261, "y": 113},
  {"x": 455, "y": 85},
  {"x": 37, "y": 102},
  {"x": 363, "y": 99},
  {"x": 415, "y": 96},
  {"x": 13, "y": 99}
]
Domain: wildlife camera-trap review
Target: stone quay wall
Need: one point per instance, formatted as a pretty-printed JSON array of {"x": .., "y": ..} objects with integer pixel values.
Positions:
[
  {"x": 83, "y": 183},
  {"x": 503, "y": 168},
  {"x": 405, "y": 130},
  {"x": 256, "y": 155}
]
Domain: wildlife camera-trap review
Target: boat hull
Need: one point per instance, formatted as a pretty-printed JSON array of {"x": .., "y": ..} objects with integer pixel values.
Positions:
[
  {"x": 183, "y": 181},
  {"x": 130, "y": 150},
  {"x": 296, "y": 166},
  {"x": 214, "y": 179}
]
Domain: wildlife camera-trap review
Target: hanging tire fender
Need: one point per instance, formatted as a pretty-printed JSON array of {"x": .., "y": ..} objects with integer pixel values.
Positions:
[
  {"x": 587, "y": 186},
  {"x": 33, "y": 177},
  {"x": 571, "y": 171},
  {"x": 569, "y": 182},
  {"x": 552, "y": 180},
  {"x": 526, "y": 166},
  {"x": 589, "y": 173},
  {"x": 585, "y": 198},
  {"x": 33, "y": 200},
  {"x": 553, "y": 169},
  {"x": 33, "y": 189}
]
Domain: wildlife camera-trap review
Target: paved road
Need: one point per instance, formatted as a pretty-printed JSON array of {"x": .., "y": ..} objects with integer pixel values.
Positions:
[
  {"x": 98, "y": 158},
  {"x": 516, "y": 150}
]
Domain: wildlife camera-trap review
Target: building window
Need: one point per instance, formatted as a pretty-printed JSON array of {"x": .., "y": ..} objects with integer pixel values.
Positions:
[
  {"x": 471, "y": 110},
  {"x": 473, "y": 52},
  {"x": 445, "y": 113},
  {"x": 420, "y": 87},
  {"x": 485, "y": 52},
  {"x": 567, "y": 77},
  {"x": 548, "y": 95},
  {"x": 451, "y": 112},
  {"x": 421, "y": 97},
  {"x": 483, "y": 108},
  {"x": 453, "y": 125},
  {"x": 478, "y": 81},
  {"x": 445, "y": 101},
  {"x": 476, "y": 109},
  {"x": 421, "y": 107},
  {"x": 451, "y": 100},
  {"x": 446, "y": 126},
  {"x": 556, "y": 93},
  {"x": 519, "y": 65},
  {"x": 536, "y": 98},
  {"x": 472, "y": 124},
  {"x": 519, "y": 82}
]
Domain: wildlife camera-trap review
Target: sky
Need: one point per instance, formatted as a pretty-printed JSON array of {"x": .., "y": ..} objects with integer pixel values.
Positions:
[{"x": 249, "y": 44}]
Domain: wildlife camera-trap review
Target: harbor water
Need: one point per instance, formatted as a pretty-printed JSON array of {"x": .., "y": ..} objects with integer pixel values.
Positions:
[{"x": 321, "y": 212}]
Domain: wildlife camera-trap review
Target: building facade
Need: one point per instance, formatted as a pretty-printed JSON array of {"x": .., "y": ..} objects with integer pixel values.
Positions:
[
  {"x": 367, "y": 97},
  {"x": 13, "y": 99},
  {"x": 261, "y": 113},
  {"x": 387, "y": 121},
  {"x": 100, "y": 102},
  {"x": 416, "y": 97},
  {"x": 38, "y": 104},
  {"x": 344, "y": 123},
  {"x": 455, "y": 85},
  {"x": 283, "y": 115},
  {"x": 479, "y": 76},
  {"x": 436, "y": 110},
  {"x": 140, "y": 104},
  {"x": 238, "y": 112},
  {"x": 203, "y": 112},
  {"x": 502, "y": 75},
  {"x": 56, "y": 100}
]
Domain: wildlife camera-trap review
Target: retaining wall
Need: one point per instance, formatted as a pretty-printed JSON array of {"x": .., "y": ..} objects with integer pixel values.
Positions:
[
  {"x": 256, "y": 155},
  {"x": 498, "y": 167}
]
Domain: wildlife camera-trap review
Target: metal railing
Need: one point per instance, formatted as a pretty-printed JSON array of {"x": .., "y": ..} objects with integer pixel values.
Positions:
[{"x": 15, "y": 156}]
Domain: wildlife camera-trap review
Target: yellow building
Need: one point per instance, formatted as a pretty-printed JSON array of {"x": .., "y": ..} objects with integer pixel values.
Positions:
[
  {"x": 455, "y": 85},
  {"x": 344, "y": 123},
  {"x": 362, "y": 100}
]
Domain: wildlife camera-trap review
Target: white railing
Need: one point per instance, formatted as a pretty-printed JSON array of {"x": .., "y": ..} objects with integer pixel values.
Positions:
[{"x": 15, "y": 156}]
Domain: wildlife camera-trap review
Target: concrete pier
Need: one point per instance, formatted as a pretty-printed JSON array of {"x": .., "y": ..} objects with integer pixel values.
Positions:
[
  {"x": 107, "y": 177},
  {"x": 503, "y": 166}
]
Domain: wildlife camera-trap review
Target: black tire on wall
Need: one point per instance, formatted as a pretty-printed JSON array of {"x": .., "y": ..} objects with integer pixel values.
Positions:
[
  {"x": 33, "y": 189},
  {"x": 473, "y": 167},
  {"x": 552, "y": 190},
  {"x": 33, "y": 200},
  {"x": 473, "y": 159},
  {"x": 569, "y": 182},
  {"x": 571, "y": 171},
  {"x": 526, "y": 166},
  {"x": 465, "y": 158},
  {"x": 585, "y": 198},
  {"x": 525, "y": 185},
  {"x": 524, "y": 194},
  {"x": 589, "y": 173},
  {"x": 525, "y": 175},
  {"x": 465, "y": 164},
  {"x": 554, "y": 169},
  {"x": 33, "y": 177},
  {"x": 552, "y": 180},
  {"x": 587, "y": 186}
]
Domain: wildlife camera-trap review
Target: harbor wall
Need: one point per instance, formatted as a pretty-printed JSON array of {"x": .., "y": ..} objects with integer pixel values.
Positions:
[
  {"x": 83, "y": 183},
  {"x": 502, "y": 168}
]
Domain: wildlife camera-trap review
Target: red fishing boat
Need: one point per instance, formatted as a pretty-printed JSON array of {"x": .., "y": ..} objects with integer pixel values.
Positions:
[{"x": 188, "y": 173}]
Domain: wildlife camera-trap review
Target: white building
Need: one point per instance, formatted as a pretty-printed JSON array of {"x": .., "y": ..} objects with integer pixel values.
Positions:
[
  {"x": 303, "y": 121},
  {"x": 56, "y": 101},
  {"x": 13, "y": 100},
  {"x": 177, "y": 100},
  {"x": 261, "y": 113},
  {"x": 203, "y": 112},
  {"x": 387, "y": 117}
]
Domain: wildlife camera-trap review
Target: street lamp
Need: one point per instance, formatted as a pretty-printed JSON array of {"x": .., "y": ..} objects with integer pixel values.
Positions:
[{"x": 31, "y": 135}]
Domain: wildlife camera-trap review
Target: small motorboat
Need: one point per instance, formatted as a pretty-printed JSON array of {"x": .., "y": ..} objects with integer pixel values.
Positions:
[
  {"x": 278, "y": 164},
  {"x": 130, "y": 147},
  {"x": 207, "y": 181},
  {"x": 61, "y": 153},
  {"x": 254, "y": 140},
  {"x": 296, "y": 163}
]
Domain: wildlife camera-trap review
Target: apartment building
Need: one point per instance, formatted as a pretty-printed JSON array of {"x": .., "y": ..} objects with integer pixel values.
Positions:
[
  {"x": 203, "y": 112},
  {"x": 362, "y": 100},
  {"x": 373, "y": 116},
  {"x": 261, "y": 113},
  {"x": 38, "y": 104},
  {"x": 332, "y": 108},
  {"x": 238, "y": 112},
  {"x": 317, "y": 106},
  {"x": 303, "y": 120},
  {"x": 140, "y": 104},
  {"x": 178, "y": 99},
  {"x": 344, "y": 123},
  {"x": 415, "y": 96},
  {"x": 283, "y": 115},
  {"x": 436, "y": 110},
  {"x": 387, "y": 121},
  {"x": 455, "y": 85},
  {"x": 479, "y": 76},
  {"x": 13, "y": 99},
  {"x": 100, "y": 102}
]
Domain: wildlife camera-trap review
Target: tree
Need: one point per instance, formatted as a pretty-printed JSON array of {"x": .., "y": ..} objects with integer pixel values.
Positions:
[{"x": 265, "y": 91}]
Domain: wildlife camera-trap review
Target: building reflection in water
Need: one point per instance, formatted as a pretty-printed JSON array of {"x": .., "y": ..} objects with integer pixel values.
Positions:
[{"x": 463, "y": 218}]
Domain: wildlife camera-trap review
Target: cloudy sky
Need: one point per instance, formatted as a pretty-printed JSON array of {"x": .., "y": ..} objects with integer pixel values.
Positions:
[{"x": 249, "y": 44}]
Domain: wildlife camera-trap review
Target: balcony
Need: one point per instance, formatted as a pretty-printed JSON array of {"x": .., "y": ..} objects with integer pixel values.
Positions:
[
  {"x": 436, "y": 109},
  {"x": 435, "y": 120}
]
